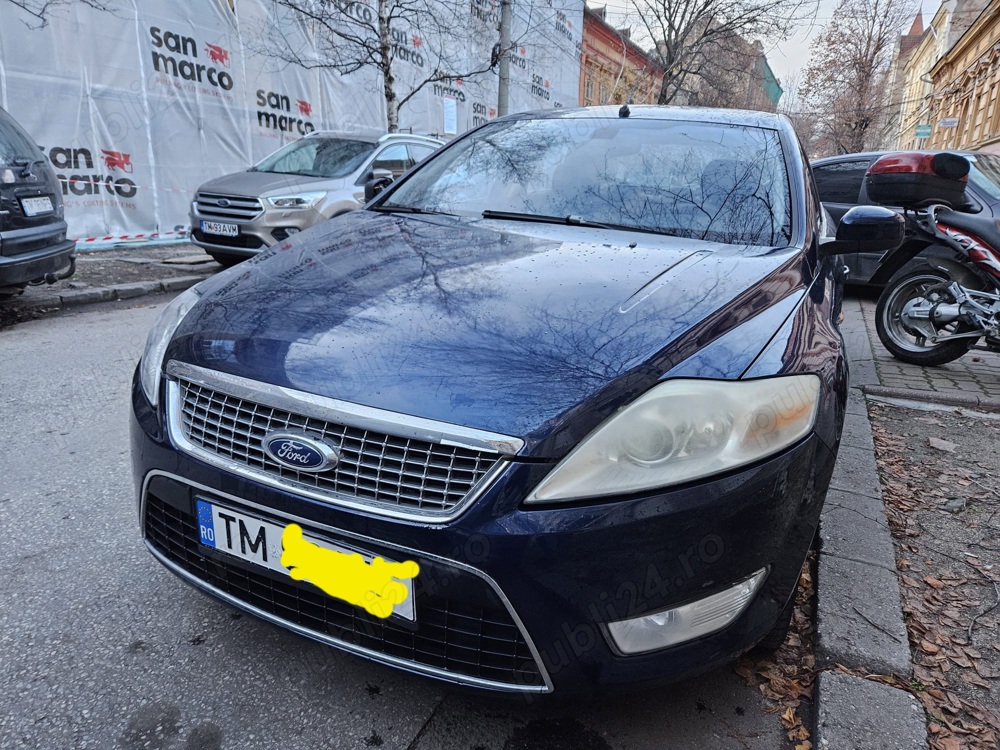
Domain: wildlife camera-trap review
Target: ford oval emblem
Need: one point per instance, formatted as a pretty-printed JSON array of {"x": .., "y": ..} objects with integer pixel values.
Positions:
[
  {"x": 300, "y": 452},
  {"x": 223, "y": 202}
]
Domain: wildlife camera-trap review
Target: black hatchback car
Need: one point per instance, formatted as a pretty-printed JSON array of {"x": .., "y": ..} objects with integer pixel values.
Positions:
[
  {"x": 557, "y": 411},
  {"x": 841, "y": 184},
  {"x": 33, "y": 243}
]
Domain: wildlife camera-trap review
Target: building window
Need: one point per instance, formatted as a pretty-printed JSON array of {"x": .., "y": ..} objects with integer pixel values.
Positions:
[
  {"x": 604, "y": 94},
  {"x": 588, "y": 90}
]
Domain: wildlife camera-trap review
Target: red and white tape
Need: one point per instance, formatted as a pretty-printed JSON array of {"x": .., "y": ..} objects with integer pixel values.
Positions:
[{"x": 121, "y": 237}]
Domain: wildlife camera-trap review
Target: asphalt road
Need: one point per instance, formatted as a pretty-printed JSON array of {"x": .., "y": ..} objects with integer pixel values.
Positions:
[{"x": 101, "y": 647}]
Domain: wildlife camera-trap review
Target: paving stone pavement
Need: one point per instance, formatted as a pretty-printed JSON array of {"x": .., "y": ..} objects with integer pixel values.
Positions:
[{"x": 975, "y": 374}]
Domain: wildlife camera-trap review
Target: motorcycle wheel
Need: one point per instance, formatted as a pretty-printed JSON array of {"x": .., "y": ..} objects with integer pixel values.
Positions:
[{"x": 912, "y": 347}]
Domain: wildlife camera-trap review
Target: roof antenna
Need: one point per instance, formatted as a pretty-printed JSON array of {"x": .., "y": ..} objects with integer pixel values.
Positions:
[{"x": 624, "y": 111}]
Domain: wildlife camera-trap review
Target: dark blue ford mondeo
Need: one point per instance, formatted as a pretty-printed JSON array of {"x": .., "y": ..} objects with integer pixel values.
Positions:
[{"x": 557, "y": 411}]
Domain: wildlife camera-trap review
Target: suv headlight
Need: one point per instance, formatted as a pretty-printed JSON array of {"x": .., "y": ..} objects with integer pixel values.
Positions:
[
  {"x": 151, "y": 364},
  {"x": 298, "y": 200},
  {"x": 682, "y": 430}
]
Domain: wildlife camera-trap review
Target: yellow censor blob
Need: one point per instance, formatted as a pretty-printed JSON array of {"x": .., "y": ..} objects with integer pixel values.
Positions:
[{"x": 375, "y": 586}]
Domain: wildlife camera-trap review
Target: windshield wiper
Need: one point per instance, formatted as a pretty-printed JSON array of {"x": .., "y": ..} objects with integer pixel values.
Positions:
[
  {"x": 408, "y": 210},
  {"x": 572, "y": 220}
]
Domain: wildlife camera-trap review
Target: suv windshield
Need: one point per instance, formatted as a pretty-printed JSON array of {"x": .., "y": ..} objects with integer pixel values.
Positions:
[
  {"x": 318, "y": 157},
  {"x": 716, "y": 182},
  {"x": 15, "y": 145},
  {"x": 985, "y": 174}
]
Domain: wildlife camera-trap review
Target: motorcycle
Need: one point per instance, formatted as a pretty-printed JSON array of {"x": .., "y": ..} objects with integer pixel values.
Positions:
[{"x": 936, "y": 314}]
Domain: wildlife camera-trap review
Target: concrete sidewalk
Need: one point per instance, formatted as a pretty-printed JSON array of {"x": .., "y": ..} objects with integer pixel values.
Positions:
[
  {"x": 859, "y": 620},
  {"x": 120, "y": 273}
]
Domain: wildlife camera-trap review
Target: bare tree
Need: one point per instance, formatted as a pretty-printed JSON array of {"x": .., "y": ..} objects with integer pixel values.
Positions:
[
  {"x": 36, "y": 13},
  {"x": 791, "y": 106},
  {"x": 846, "y": 79},
  {"x": 687, "y": 34},
  {"x": 348, "y": 36}
]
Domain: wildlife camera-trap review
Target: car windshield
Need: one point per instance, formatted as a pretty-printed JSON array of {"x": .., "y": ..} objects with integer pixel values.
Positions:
[
  {"x": 721, "y": 183},
  {"x": 318, "y": 157},
  {"x": 985, "y": 174},
  {"x": 15, "y": 146}
]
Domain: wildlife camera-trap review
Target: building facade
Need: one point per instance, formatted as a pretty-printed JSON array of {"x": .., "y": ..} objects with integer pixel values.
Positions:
[
  {"x": 905, "y": 91},
  {"x": 966, "y": 82},
  {"x": 613, "y": 68}
]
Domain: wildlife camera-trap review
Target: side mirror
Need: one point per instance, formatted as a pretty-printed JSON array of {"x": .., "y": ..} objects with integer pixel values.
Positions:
[
  {"x": 866, "y": 229},
  {"x": 379, "y": 181}
]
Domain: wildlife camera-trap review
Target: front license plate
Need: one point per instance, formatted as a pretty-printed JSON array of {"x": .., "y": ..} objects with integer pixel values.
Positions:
[
  {"x": 259, "y": 542},
  {"x": 217, "y": 227},
  {"x": 36, "y": 206}
]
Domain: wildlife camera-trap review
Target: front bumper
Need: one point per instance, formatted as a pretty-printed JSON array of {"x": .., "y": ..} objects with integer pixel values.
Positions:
[
  {"x": 268, "y": 228},
  {"x": 560, "y": 573}
]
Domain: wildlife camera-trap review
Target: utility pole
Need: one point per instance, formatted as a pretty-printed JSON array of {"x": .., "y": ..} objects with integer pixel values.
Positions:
[{"x": 503, "y": 90}]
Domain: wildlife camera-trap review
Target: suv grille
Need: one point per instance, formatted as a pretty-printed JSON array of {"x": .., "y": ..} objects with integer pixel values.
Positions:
[
  {"x": 405, "y": 475},
  {"x": 239, "y": 207},
  {"x": 470, "y": 634}
]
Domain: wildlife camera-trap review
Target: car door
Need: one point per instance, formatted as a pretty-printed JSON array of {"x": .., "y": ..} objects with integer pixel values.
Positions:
[
  {"x": 395, "y": 158},
  {"x": 840, "y": 185},
  {"x": 419, "y": 152}
]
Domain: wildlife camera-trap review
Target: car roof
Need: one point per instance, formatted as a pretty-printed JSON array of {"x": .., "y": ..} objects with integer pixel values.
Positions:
[
  {"x": 876, "y": 154},
  {"x": 370, "y": 139},
  {"x": 750, "y": 118}
]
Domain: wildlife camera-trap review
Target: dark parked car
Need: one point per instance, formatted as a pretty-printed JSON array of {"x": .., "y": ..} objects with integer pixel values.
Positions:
[
  {"x": 841, "y": 184},
  {"x": 33, "y": 244},
  {"x": 556, "y": 412}
]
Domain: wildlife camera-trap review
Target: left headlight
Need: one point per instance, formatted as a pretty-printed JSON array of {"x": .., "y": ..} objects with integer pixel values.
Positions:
[
  {"x": 682, "y": 430},
  {"x": 151, "y": 365},
  {"x": 298, "y": 200}
]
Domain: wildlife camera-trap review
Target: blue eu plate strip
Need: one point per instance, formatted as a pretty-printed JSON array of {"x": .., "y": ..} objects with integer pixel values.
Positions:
[{"x": 206, "y": 528}]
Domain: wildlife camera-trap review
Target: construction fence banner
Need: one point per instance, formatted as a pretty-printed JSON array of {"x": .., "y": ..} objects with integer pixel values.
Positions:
[{"x": 138, "y": 105}]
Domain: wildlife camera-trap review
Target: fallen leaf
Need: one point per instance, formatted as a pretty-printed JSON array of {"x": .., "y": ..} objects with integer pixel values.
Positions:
[
  {"x": 933, "y": 582},
  {"x": 929, "y": 648},
  {"x": 973, "y": 679}
]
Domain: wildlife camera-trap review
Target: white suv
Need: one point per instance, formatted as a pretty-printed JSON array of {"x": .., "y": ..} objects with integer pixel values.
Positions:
[{"x": 308, "y": 181}]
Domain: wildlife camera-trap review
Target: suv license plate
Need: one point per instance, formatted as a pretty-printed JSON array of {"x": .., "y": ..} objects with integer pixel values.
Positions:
[
  {"x": 36, "y": 206},
  {"x": 259, "y": 542},
  {"x": 217, "y": 227}
]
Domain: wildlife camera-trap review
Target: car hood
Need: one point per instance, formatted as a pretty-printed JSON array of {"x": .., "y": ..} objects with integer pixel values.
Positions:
[
  {"x": 254, "y": 184},
  {"x": 530, "y": 330}
]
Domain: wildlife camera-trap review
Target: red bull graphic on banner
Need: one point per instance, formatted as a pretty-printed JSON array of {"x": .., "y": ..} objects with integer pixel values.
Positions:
[{"x": 157, "y": 97}]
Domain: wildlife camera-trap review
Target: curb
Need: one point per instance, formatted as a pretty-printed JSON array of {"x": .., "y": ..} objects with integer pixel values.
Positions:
[
  {"x": 75, "y": 297},
  {"x": 859, "y": 618},
  {"x": 962, "y": 400}
]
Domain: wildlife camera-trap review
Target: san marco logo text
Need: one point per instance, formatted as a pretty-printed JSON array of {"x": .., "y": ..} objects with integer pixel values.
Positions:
[
  {"x": 180, "y": 58},
  {"x": 77, "y": 171}
]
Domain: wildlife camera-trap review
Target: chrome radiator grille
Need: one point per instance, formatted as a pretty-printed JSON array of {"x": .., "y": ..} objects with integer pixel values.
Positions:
[
  {"x": 400, "y": 474},
  {"x": 228, "y": 207}
]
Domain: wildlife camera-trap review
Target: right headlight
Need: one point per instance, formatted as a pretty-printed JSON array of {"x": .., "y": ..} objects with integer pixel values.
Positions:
[
  {"x": 151, "y": 365},
  {"x": 682, "y": 430}
]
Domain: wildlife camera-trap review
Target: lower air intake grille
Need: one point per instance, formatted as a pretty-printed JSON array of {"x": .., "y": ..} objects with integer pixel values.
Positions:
[{"x": 467, "y": 636}]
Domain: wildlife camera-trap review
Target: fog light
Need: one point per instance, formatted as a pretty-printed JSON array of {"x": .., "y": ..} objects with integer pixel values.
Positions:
[
  {"x": 292, "y": 230},
  {"x": 672, "y": 626}
]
